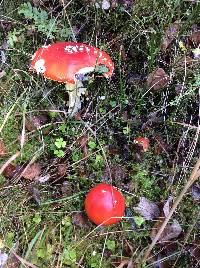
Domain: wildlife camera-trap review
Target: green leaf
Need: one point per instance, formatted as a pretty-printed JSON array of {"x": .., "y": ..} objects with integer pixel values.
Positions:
[
  {"x": 10, "y": 239},
  {"x": 59, "y": 153},
  {"x": 41, "y": 253},
  {"x": 69, "y": 256},
  {"x": 98, "y": 159},
  {"x": 66, "y": 221},
  {"x": 139, "y": 220},
  {"x": 75, "y": 156},
  {"x": 60, "y": 143},
  {"x": 62, "y": 128},
  {"x": 113, "y": 103},
  {"x": 92, "y": 144},
  {"x": 126, "y": 130},
  {"x": 37, "y": 218},
  {"x": 110, "y": 245}
]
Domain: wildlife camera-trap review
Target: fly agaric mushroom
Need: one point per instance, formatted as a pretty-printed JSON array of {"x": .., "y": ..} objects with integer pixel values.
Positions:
[
  {"x": 68, "y": 62},
  {"x": 143, "y": 142},
  {"x": 104, "y": 205}
]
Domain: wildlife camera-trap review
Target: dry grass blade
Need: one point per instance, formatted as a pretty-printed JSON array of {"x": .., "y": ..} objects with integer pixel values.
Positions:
[
  {"x": 194, "y": 175},
  {"x": 12, "y": 158},
  {"x": 23, "y": 261}
]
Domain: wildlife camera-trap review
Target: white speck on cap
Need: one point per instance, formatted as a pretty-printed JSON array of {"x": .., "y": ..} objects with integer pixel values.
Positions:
[
  {"x": 103, "y": 191},
  {"x": 75, "y": 49},
  {"x": 87, "y": 49},
  {"x": 39, "y": 66},
  {"x": 69, "y": 49},
  {"x": 46, "y": 46}
]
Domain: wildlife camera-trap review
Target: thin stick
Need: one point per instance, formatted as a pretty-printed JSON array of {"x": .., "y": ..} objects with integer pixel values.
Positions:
[
  {"x": 12, "y": 158},
  {"x": 23, "y": 261},
  {"x": 193, "y": 177}
]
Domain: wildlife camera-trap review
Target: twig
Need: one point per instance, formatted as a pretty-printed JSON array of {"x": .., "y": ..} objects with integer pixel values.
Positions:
[
  {"x": 23, "y": 261},
  {"x": 186, "y": 125},
  {"x": 194, "y": 175},
  {"x": 12, "y": 158}
]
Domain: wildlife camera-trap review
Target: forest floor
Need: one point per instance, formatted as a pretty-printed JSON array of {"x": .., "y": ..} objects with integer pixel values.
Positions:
[{"x": 49, "y": 160}]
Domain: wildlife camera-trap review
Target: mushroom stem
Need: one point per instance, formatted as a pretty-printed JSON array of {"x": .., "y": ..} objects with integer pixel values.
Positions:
[{"x": 74, "y": 91}]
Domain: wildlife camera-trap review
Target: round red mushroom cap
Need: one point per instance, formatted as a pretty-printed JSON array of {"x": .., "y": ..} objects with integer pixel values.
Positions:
[
  {"x": 61, "y": 61},
  {"x": 104, "y": 204}
]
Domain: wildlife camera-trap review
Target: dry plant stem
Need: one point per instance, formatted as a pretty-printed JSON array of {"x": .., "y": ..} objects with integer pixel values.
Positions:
[
  {"x": 23, "y": 261},
  {"x": 194, "y": 175},
  {"x": 12, "y": 158}
]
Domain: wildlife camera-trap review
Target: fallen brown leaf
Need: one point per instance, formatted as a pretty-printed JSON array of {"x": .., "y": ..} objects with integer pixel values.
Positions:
[
  {"x": 36, "y": 122},
  {"x": 147, "y": 209},
  {"x": 158, "y": 79},
  {"x": 166, "y": 207},
  {"x": 117, "y": 172},
  {"x": 66, "y": 188},
  {"x": 160, "y": 146},
  {"x": 171, "y": 231},
  {"x": 113, "y": 150},
  {"x": 9, "y": 171},
  {"x": 35, "y": 194},
  {"x": 31, "y": 172},
  {"x": 194, "y": 250},
  {"x": 39, "y": 2},
  {"x": 80, "y": 220},
  {"x": 170, "y": 34},
  {"x": 82, "y": 142},
  {"x": 3, "y": 150},
  {"x": 196, "y": 192},
  {"x": 159, "y": 261},
  {"x": 195, "y": 37},
  {"x": 62, "y": 170}
]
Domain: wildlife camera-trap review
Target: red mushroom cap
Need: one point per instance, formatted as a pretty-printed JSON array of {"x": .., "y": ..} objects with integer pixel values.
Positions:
[
  {"x": 144, "y": 142},
  {"x": 103, "y": 203},
  {"x": 61, "y": 61}
]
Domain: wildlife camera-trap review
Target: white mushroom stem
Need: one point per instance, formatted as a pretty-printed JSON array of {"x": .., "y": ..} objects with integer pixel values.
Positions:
[{"x": 74, "y": 91}]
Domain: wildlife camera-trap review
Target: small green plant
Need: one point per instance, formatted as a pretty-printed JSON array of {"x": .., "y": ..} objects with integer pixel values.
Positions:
[
  {"x": 50, "y": 27},
  {"x": 69, "y": 256},
  {"x": 92, "y": 144},
  {"x": 37, "y": 218},
  {"x": 14, "y": 37},
  {"x": 111, "y": 245},
  {"x": 126, "y": 130},
  {"x": 10, "y": 239},
  {"x": 139, "y": 220},
  {"x": 57, "y": 147}
]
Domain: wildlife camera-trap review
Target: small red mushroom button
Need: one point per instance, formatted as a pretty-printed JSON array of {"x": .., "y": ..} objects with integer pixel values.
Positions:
[
  {"x": 144, "y": 142},
  {"x": 104, "y": 205},
  {"x": 68, "y": 61}
]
